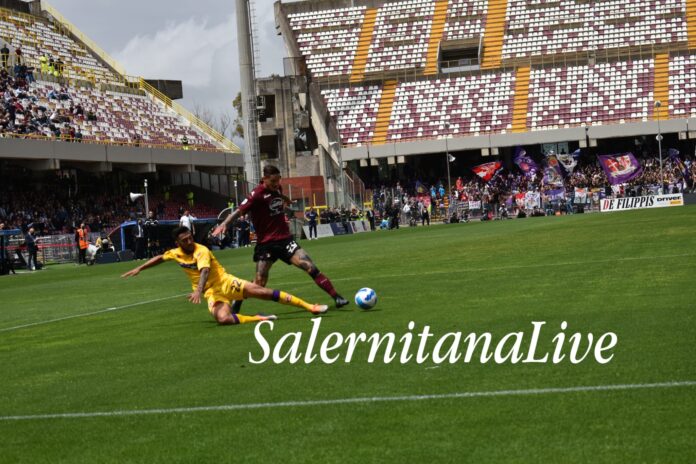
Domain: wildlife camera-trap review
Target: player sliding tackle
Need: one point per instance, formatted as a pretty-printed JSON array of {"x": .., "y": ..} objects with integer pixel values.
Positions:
[
  {"x": 274, "y": 241},
  {"x": 210, "y": 280}
]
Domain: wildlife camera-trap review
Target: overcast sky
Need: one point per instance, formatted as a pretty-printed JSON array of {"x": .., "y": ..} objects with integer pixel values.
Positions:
[{"x": 191, "y": 41}]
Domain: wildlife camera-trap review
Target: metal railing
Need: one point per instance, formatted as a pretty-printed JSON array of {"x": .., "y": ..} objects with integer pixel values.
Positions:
[{"x": 199, "y": 123}]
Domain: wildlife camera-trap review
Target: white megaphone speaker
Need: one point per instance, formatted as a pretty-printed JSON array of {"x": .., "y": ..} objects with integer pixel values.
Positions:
[{"x": 135, "y": 196}]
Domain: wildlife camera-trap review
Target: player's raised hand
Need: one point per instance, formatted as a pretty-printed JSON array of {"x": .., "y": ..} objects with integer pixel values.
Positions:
[
  {"x": 219, "y": 229},
  {"x": 131, "y": 273}
]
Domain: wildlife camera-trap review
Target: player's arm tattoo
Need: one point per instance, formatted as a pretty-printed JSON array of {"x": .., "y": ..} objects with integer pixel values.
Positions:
[{"x": 203, "y": 280}]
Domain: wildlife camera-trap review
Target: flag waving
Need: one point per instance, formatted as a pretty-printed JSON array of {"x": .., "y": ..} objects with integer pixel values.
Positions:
[
  {"x": 569, "y": 161},
  {"x": 525, "y": 163},
  {"x": 552, "y": 172},
  {"x": 487, "y": 171},
  {"x": 674, "y": 156},
  {"x": 620, "y": 168}
]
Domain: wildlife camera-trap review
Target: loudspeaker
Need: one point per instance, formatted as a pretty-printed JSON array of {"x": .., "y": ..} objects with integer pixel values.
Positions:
[
  {"x": 107, "y": 258},
  {"x": 126, "y": 255},
  {"x": 135, "y": 196}
]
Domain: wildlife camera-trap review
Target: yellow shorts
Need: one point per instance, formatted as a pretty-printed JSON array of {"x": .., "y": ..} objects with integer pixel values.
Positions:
[{"x": 231, "y": 289}]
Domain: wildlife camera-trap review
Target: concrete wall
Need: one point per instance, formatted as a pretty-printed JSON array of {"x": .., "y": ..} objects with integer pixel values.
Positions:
[
  {"x": 64, "y": 152},
  {"x": 527, "y": 138}
]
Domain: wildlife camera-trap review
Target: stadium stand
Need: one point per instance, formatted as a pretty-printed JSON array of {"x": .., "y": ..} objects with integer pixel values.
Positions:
[
  {"x": 544, "y": 66},
  {"x": 401, "y": 34},
  {"x": 682, "y": 85},
  {"x": 569, "y": 26},
  {"x": 355, "y": 110},
  {"x": 123, "y": 114},
  {"x": 466, "y": 19},
  {"x": 37, "y": 36},
  {"x": 590, "y": 94},
  {"x": 122, "y": 118},
  {"x": 467, "y": 105},
  {"x": 329, "y": 39}
]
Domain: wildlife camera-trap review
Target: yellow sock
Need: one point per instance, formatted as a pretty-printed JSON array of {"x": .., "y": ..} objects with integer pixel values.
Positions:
[
  {"x": 288, "y": 299},
  {"x": 247, "y": 319}
]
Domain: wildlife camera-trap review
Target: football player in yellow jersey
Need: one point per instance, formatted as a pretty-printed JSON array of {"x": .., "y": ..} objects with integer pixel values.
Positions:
[{"x": 209, "y": 279}]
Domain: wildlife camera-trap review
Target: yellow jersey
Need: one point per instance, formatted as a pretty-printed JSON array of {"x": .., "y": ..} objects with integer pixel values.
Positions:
[{"x": 192, "y": 264}]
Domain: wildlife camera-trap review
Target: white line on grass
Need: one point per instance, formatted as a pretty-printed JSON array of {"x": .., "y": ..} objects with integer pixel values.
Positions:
[
  {"x": 505, "y": 268},
  {"x": 339, "y": 401},
  {"x": 115, "y": 308}
]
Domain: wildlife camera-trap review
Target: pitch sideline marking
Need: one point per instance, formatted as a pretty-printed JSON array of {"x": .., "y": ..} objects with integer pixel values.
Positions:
[
  {"x": 341, "y": 401},
  {"x": 507, "y": 268},
  {"x": 115, "y": 308}
]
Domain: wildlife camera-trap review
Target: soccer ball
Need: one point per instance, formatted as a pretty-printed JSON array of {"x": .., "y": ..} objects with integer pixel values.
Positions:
[{"x": 366, "y": 298}]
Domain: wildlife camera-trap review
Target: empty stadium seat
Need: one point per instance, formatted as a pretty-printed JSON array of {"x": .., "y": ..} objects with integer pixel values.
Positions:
[
  {"x": 569, "y": 96},
  {"x": 355, "y": 110}
]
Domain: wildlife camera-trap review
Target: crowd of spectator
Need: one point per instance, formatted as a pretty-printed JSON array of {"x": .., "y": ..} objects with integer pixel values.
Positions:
[
  {"x": 23, "y": 114},
  {"x": 55, "y": 204},
  {"x": 417, "y": 196}
]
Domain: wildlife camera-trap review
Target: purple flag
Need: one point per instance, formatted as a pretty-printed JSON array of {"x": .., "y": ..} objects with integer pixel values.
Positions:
[
  {"x": 557, "y": 194},
  {"x": 525, "y": 163},
  {"x": 674, "y": 156},
  {"x": 620, "y": 168}
]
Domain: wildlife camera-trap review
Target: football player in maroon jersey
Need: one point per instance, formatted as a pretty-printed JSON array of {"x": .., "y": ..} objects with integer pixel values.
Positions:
[{"x": 266, "y": 206}]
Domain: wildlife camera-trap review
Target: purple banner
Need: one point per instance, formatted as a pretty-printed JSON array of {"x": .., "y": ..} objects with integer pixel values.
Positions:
[
  {"x": 557, "y": 194},
  {"x": 525, "y": 163},
  {"x": 620, "y": 168}
]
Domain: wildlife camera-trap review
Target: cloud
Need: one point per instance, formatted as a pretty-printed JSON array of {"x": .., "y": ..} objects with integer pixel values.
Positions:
[
  {"x": 186, "y": 51},
  {"x": 203, "y": 54}
]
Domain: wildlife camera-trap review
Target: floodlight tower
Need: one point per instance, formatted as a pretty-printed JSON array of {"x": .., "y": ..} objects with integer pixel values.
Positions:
[{"x": 252, "y": 162}]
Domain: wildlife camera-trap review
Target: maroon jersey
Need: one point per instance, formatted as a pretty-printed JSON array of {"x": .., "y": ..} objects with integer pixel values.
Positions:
[{"x": 267, "y": 214}]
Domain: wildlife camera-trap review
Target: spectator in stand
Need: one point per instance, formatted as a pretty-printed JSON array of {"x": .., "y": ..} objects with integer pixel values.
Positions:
[
  {"x": 59, "y": 67},
  {"x": 5, "y": 53},
  {"x": 189, "y": 198},
  {"x": 43, "y": 62},
  {"x": 18, "y": 57}
]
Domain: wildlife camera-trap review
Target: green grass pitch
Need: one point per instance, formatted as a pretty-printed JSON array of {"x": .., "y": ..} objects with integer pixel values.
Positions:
[{"x": 632, "y": 273}]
